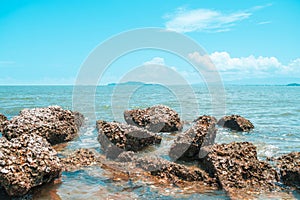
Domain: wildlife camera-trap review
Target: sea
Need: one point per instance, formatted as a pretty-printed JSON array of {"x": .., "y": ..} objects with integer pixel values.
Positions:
[{"x": 273, "y": 109}]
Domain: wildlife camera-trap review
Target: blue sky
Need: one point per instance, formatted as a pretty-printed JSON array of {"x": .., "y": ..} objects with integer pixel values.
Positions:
[{"x": 250, "y": 42}]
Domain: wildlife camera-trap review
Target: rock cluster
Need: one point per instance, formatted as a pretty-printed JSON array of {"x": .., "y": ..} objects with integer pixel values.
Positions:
[
  {"x": 289, "y": 166},
  {"x": 26, "y": 162},
  {"x": 53, "y": 123},
  {"x": 116, "y": 137},
  {"x": 80, "y": 158},
  {"x": 236, "y": 166},
  {"x": 236, "y": 122},
  {"x": 157, "y": 118},
  {"x": 195, "y": 142}
]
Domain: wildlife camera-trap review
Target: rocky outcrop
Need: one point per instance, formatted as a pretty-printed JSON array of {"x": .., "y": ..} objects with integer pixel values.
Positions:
[
  {"x": 116, "y": 137},
  {"x": 236, "y": 167},
  {"x": 26, "y": 162},
  {"x": 289, "y": 166},
  {"x": 236, "y": 122},
  {"x": 79, "y": 159},
  {"x": 157, "y": 118},
  {"x": 53, "y": 123},
  {"x": 196, "y": 141}
]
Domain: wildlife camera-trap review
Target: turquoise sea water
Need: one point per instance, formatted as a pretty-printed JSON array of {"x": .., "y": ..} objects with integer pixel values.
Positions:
[{"x": 274, "y": 111}]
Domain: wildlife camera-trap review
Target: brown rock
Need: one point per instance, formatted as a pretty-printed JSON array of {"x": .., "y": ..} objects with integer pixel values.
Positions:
[
  {"x": 53, "y": 123},
  {"x": 157, "y": 118},
  {"x": 194, "y": 143},
  {"x": 3, "y": 118},
  {"x": 26, "y": 162},
  {"x": 79, "y": 159},
  {"x": 236, "y": 167},
  {"x": 289, "y": 166},
  {"x": 236, "y": 122},
  {"x": 116, "y": 137},
  {"x": 170, "y": 170}
]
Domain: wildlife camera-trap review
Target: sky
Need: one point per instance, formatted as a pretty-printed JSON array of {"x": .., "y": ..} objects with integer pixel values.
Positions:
[{"x": 250, "y": 42}]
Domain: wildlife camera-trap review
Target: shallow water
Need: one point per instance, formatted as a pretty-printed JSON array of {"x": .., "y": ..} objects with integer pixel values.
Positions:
[{"x": 274, "y": 111}]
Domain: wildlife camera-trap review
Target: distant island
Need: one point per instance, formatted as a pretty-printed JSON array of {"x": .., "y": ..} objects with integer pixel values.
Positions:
[{"x": 293, "y": 84}]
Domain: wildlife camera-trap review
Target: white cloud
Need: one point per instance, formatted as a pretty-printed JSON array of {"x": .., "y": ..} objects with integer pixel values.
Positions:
[
  {"x": 204, "y": 20},
  {"x": 224, "y": 62},
  {"x": 155, "y": 61},
  {"x": 264, "y": 22},
  {"x": 246, "y": 67},
  {"x": 203, "y": 61}
]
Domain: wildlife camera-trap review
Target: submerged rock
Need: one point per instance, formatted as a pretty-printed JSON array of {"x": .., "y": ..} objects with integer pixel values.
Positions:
[
  {"x": 236, "y": 122},
  {"x": 236, "y": 167},
  {"x": 53, "y": 123},
  {"x": 116, "y": 137},
  {"x": 289, "y": 166},
  {"x": 126, "y": 156},
  {"x": 26, "y": 162},
  {"x": 157, "y": 118},
  {"x": 164, "y": 169},
  {"x": 80, "y": 158},
  {"x": 194, "y": 143}
]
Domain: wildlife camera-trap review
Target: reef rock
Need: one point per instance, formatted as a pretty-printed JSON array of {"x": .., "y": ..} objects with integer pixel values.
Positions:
[
  {"x": 26, "y": 162},
  {"x": 236, "y": 166},
  {"x": 79, "y": 159},
  {"x": 116, "y": 137},
  {"x": 196, "y": 141},
  {"x": 236, "y": 122},
  {"x": 157, "y": 118},
  {"x": 289, "y": 166},
  {"x": 53, "y": 123}
]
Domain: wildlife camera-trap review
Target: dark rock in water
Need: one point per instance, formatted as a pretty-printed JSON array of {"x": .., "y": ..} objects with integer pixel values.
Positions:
[
  {"x": 26, "y": 162},
  {"x": 116, "y": 137},
  {"x": 289, "y": 166},
  {"x": 236, "y": 122},
  {"x": 53, "y": 123},
  {"x": 79, "y": 159},
  {"x": 236, "y": 167},
  {"x": 195, "y": 142},
  {"x": 157, "y": 118},
  {"x": 79, "y": 119}
]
